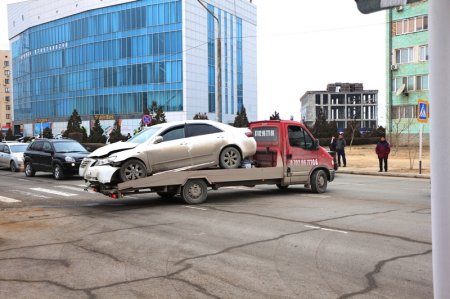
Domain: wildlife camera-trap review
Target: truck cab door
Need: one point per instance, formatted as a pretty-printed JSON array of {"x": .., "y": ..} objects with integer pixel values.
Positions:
[{"x": 301, "y": 153}]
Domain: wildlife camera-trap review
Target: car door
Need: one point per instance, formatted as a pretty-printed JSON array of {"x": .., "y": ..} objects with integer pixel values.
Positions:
[
  {"x": 46, "y": 156},
  {"x": 33, "y": 154},
  {"x": 204, "y": 143},
  {"x": 301, "y": 153},
  {"x": 171, "y": 153},
  {"x": 2, "y": 155}
]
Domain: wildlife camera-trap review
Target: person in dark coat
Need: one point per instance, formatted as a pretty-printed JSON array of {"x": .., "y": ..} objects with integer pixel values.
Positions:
[
  {"x": 383, "y": 149},
  {"x": 340, "y": 148}
]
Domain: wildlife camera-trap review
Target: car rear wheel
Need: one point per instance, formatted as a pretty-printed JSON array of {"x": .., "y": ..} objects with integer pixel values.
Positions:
[
  {"x": 13, "y": 166},
  {"x": 230, "y": 158},
  {"x": 132, "y": 170},
  {"x": 319, "y": 181},
  {"x": 58, "y": 173},
  {"x": 194, "y": 192},
  {"x": 29, "y": 171}
]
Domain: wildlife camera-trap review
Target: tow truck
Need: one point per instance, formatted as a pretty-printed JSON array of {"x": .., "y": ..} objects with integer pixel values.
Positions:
[{"x": 287, "y": 154}]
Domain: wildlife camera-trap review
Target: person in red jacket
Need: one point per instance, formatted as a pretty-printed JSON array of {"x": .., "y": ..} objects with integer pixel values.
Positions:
[{"x": 383, "y": 149}]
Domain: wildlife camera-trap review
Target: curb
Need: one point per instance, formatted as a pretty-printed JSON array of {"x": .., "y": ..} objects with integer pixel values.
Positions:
[{"x": 388, "y": 174}]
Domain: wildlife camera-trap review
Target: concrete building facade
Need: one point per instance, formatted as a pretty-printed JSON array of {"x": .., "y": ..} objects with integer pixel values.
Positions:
[
  {"x": 341, "y": 103},
  {"x": 6, "y": 103},
  {"x": 109, "y": 59},
  {"x": 407, "y": 66}
]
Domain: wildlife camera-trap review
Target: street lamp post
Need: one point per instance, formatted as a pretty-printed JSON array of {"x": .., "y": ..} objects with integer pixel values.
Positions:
[{"x": 219, "y": 63}]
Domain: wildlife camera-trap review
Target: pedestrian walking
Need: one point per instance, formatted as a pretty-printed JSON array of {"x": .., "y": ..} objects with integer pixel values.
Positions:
[
  {"x": 340, "y": 148},
  {"x": 383, "y": 149},
  {"x": 128, "y": 136}
]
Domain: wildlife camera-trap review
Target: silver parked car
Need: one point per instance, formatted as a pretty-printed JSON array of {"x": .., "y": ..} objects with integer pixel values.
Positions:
[
  {"x": 11, "y": 155},
  {"x": 192, "y": 144}
]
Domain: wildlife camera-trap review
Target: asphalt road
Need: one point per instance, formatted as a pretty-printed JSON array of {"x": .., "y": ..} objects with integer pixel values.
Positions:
[{"x": 367, "y": 237}]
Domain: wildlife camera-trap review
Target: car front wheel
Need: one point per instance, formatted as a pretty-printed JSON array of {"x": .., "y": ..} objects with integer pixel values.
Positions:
[
  {"x": 132, "y": 170},
  {"x": 58, "y": 173},
  {"x": 230, "y": 158},
  {"x": 13, "y": 166},
  {"x": 319, "y": 181},
  {"x": 29, "y": 171}
]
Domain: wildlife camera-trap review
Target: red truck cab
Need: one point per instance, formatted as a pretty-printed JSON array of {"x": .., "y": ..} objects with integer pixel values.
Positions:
[{"x": 303, "y": 158}]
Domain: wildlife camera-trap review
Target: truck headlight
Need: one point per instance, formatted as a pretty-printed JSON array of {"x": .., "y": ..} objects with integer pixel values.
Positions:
[
  {"x": 69, "y": 159},
  {"x": 106, "y": 161}
]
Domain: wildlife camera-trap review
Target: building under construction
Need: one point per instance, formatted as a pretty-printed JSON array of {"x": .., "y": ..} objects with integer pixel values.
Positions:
[{"x": 342, "y": 103}]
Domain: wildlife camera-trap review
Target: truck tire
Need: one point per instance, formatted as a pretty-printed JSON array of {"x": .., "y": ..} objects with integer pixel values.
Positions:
[
  {"x": 319, "y": 181},
  {"x": 132, "y": 170},
  {"x": 194, "y": 192},
  {"x": 58, "y": 172},
  {"x": 29, "y": 171},
  {"x": 230, "y": 158}
]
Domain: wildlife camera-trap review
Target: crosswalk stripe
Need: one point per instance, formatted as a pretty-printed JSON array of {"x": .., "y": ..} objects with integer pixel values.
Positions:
[
  {"x": 8, "y": 200},
  {"x": 29, "y": 194},
  {"x": 70, "y": 188},
  {"x": 53, "y": 192}
]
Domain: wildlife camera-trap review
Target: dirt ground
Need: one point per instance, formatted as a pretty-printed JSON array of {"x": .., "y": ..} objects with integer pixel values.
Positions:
[{"x": 401, "y": 160}]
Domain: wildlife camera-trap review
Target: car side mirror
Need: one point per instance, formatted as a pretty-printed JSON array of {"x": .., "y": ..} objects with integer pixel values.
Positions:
[
  {"x": 158, "y": 139},
  {"x": 316, "y": 144}
]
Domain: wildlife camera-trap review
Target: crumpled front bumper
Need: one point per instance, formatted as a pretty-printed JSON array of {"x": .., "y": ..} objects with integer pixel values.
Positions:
[{"x": 96, "y": 174}]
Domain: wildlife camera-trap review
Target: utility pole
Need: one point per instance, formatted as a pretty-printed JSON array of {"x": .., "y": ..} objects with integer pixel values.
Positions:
[{"x": 219, "y": 63}]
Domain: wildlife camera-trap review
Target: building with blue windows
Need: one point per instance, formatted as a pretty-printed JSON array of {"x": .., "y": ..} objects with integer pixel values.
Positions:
[{"x": 109, "y": 59}]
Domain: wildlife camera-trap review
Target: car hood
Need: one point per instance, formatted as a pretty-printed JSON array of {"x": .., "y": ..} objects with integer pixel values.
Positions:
[{"x": 112, "y": 148}]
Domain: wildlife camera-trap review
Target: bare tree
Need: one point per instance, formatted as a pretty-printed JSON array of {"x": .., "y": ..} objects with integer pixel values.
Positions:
[{"x": 399, "y": 126}]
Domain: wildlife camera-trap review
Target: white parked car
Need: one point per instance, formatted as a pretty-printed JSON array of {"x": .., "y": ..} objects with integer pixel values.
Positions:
[
  {"x": 192, "y": 144},
  {"x": 11, "y": 155}
]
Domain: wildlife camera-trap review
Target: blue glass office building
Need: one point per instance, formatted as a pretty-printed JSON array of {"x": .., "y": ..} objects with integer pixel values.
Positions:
[{"x": 115, "y": 57}]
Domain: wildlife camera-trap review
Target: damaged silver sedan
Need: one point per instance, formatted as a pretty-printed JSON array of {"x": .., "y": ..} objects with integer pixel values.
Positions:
[{"x": 195, "y": 144}]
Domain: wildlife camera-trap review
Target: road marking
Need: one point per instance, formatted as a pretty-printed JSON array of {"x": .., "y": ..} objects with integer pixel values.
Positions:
[
  {"x": 53, "y": 192},
  {"x": 326, "y": 229},
  {"x": 70, "y": 188},
  {"x": 30, "y": 194},
  {"x": 242, "y": 188},
  {"x": 202, "y": 209},
  {"x": 8, "y": 200},
  {"x": 316, "y": 196},
  {"x": 313, "y": 227},
  {"x": 82, "y": 185},
  {"x": 23, "y": 180},
  {"x": 132, "y": 197}
]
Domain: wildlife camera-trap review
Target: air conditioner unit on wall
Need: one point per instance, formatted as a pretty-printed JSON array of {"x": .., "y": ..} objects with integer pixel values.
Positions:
[
  {"x": 394, "y": 67},
  {"x": 399, "y": 8}
]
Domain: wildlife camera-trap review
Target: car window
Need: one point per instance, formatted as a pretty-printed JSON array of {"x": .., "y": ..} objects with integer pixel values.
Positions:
[
  {"x": 19, "y": 148},
  {"x": 298, "y": 137},
  {"x": 47, "y": 146},
  {"x": 173, "y": 133},
  {"x": 68, "y": 147},
  {"x": 144, "y": 135},
  {"x": 201, "y": 129},
  {"x": 6, "y": 149},
  {"x": 37, "y": 146},
  {"x": 1, "y": 148}
]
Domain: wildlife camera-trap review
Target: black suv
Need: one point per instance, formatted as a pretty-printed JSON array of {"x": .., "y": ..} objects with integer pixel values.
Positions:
[{"x": 62, "y": 157}]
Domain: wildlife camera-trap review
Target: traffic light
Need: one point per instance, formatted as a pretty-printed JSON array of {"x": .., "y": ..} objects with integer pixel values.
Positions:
[{"x": 369, "y": 6}]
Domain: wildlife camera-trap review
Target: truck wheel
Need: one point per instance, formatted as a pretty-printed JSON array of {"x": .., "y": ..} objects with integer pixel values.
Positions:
[
  {"x": 319, "y": 181},
  {"x": 230, "y": 158},
  {"x": 13, "y": 166},
  {"x": 166, "y": 195},
  {"x": 194, "y": 192},
  {"x": 282, "y": 187},
  {"x": 132, "y": 170},
  {"x": 29, "y": 171},
  {"x": 58, "y": 173}
]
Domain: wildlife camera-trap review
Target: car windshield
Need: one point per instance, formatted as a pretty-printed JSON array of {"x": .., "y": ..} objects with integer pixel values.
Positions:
[
  {"x": 68, "y": 147},
  {"x": 20, "y": 148},
  {"x": 144, "y": 135}
]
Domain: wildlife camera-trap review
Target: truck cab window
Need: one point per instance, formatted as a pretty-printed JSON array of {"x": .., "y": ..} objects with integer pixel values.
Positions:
[{"x": 300, "y": 138}]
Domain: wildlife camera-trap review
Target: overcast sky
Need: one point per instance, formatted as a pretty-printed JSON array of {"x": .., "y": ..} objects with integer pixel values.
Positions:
[{"x": 304, "y": 45}]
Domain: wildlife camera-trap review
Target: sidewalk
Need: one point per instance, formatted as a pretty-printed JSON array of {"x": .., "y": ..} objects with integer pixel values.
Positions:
[{"x": 363, "y": 160}]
